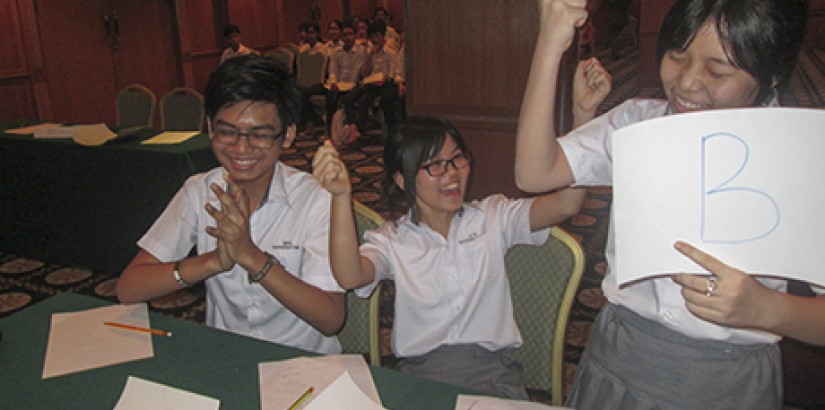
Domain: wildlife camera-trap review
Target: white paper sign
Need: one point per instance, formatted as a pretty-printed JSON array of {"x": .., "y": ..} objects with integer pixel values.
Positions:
[{"x": 744, "y": 185}]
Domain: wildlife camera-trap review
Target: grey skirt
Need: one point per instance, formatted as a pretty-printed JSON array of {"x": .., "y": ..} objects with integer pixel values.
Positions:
[
  {"x": 469, "y": 365},
  {"x": 634, "y": 363}
]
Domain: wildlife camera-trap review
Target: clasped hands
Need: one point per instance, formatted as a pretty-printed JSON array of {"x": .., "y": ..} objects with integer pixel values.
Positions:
[{"x": 231, "y": 230}]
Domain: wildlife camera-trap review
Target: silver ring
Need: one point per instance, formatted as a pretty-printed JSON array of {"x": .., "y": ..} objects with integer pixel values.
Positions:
[{"x": 710, "y": 286}]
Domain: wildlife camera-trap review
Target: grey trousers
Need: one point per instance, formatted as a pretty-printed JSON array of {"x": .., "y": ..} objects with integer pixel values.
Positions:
[{"x": 499, "y": 372}]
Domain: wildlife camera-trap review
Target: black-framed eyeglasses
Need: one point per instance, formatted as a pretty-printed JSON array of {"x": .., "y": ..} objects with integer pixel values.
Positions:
[
  {"x": 438, "y": 167},
  {"x": 229, "y": 134}
]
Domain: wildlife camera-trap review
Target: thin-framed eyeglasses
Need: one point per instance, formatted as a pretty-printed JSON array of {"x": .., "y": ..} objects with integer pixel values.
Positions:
[
  {"x": 229, "y": 134},
  {"x": 438, "y": 167}
]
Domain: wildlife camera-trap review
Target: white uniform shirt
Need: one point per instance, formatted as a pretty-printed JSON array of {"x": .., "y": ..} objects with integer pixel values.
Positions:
[
  {"x": 588, "y": 150},
  {"x": 292, "y": 224},
  {"x": 345, "y": 65},
  {"x": 454, "y": 290},
  {"x": 242, "y": 49},
  {"x": 387, "y": 61}
]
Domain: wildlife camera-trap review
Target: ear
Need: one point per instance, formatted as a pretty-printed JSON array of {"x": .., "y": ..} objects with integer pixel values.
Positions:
[
  {"x": 291, "y": 131},
  {"x": 399, "y": 180},
  {"x": 209, "y": 126}
]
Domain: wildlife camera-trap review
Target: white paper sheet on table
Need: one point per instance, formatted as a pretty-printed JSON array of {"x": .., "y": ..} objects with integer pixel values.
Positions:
[
  {"x": 92, "y": 135},
  {"x": 741, "y": 184},
  {"x": 31, "y": 129},
  {"x": 80, "y": 341},
  {"x": 283, "y": 382},
  {"x": 342, "y": 394},
  {"x": 465, "y": 402},
  {"x": 140, "y": 394},
  {"x": 171, "y": 137}
]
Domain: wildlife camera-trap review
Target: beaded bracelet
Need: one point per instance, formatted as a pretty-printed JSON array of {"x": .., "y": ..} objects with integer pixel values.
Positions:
[
  {"x": 178, "y": 278},
  {"x": 264, "y": 270}
]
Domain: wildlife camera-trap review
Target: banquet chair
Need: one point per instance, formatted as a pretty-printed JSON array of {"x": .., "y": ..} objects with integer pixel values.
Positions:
[
  {"x": 181, "y": 109},
  {"x": 284, "y": 56},
  {"x": 360, "y": 332},
  {"x": 311, "y": 70},
  {"x": 543, "y": 284},
  {"x": 135, "y": 106}
]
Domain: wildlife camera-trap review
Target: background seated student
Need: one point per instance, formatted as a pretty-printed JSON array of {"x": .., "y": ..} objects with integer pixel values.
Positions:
[
  {"x": 232, "y": 34},
  {"x": 453, "y": 313},
  {"x": 260, "y": 227},
  {"x": 345, "y": 66},
  {"x": 357, "y": 103}
]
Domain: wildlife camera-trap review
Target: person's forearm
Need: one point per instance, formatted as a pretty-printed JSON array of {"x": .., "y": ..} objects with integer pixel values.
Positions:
[
  {"x": 536, "y": 146},
  {"x": 144, "y": 280},
  {"x": 345, "y": 259},
  {"x": 800, "y": 318}
]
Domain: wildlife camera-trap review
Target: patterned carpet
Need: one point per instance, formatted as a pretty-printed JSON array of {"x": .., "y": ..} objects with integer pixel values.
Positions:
[{"x": 24, "y": 281}]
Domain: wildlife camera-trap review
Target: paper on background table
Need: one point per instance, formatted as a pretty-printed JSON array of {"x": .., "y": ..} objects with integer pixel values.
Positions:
[
  {"x": 342, "y": 394},
  {"x": 744, "y": 185},
  {"x": 465, "y": 402},
  {"x": 92, "y": 135},
  {"x": 342, "y": 86},
  {"x": 283, "y": 382},
  {"x": 140, "y": 394},
  {"x": 171, "y": 137},
  {"x": 80, "y": 341},
  {"x": 32, "y": 128}
]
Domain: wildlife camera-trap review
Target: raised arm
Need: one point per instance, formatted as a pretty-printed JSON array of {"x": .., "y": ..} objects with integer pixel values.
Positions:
[
  {"x": 351, "y": 270},
  {"x": 738, "y": 300},
  {"x": 540, "y": 164}
]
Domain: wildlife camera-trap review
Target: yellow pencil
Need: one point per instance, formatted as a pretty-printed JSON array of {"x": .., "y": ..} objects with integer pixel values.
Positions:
[
  {"x": 138, "y": 329},
  {"x": 301, "y": 399}
]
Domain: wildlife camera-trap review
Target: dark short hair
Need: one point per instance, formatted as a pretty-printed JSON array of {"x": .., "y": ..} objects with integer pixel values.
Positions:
[
  {"x": 347, "y": 25},
  {"x": 231, "y": 29},
  {"x": 761, "y": 37},
  {"x": 377, "y": 26},
  {"x": 252, "y": 78},
  {"x": 409, "y": 145}
]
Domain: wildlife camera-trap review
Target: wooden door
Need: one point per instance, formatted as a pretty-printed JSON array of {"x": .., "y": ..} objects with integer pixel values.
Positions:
[
  {"x": 78, "y": 60},
  {"x": 93, "y": 48}
]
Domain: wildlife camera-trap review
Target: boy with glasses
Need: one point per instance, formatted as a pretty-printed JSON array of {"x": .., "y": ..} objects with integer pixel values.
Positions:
[{"x": 261, "y": 228}]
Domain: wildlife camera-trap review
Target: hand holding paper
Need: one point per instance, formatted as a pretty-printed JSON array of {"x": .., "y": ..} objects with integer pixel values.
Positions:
[{"x": 736, "y": 300}]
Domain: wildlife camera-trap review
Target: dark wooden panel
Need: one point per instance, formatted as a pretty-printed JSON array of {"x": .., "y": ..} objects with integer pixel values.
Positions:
[
  {"x": 20, "y": 92},
  {"x": 12, "y": 57},
  {"x": 79, "y": 73}
]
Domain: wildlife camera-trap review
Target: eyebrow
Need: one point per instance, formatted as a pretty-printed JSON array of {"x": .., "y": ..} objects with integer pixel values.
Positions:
[{"x": 254, "y": 127}]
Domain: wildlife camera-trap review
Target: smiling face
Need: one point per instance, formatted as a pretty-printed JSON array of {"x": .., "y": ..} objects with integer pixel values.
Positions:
[
  {"x": 702, "y": 77},
  {"x": 441, "y": 195},
  {"x": 250, "y": 167}
]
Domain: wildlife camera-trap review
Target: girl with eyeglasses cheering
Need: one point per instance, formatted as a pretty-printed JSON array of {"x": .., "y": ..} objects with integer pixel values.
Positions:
[{"x": 453, "y": 313}]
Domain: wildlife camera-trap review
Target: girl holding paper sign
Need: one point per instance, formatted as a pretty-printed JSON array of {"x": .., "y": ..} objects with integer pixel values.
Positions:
[{"x": 687, "y": 341}]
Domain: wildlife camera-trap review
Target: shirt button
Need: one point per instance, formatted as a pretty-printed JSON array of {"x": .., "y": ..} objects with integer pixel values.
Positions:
[{"x": 668, "y": 316}]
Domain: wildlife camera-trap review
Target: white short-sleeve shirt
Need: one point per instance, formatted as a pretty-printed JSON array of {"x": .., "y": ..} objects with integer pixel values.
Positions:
[
  {"x": 292, "y": 224},
  {"x": 454, "y": 290},
  {"x": 588, "y": 150}
]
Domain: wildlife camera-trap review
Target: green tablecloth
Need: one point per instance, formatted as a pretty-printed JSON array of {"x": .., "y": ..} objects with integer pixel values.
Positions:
[
  {"x": 197, "y": 358},
  {"x": 87, "y": 206}
]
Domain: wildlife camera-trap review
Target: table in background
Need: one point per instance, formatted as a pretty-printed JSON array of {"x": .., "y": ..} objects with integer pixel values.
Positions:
[
  {"x": 197, "y": 358},
  {"x": 87, "y": 206}
]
